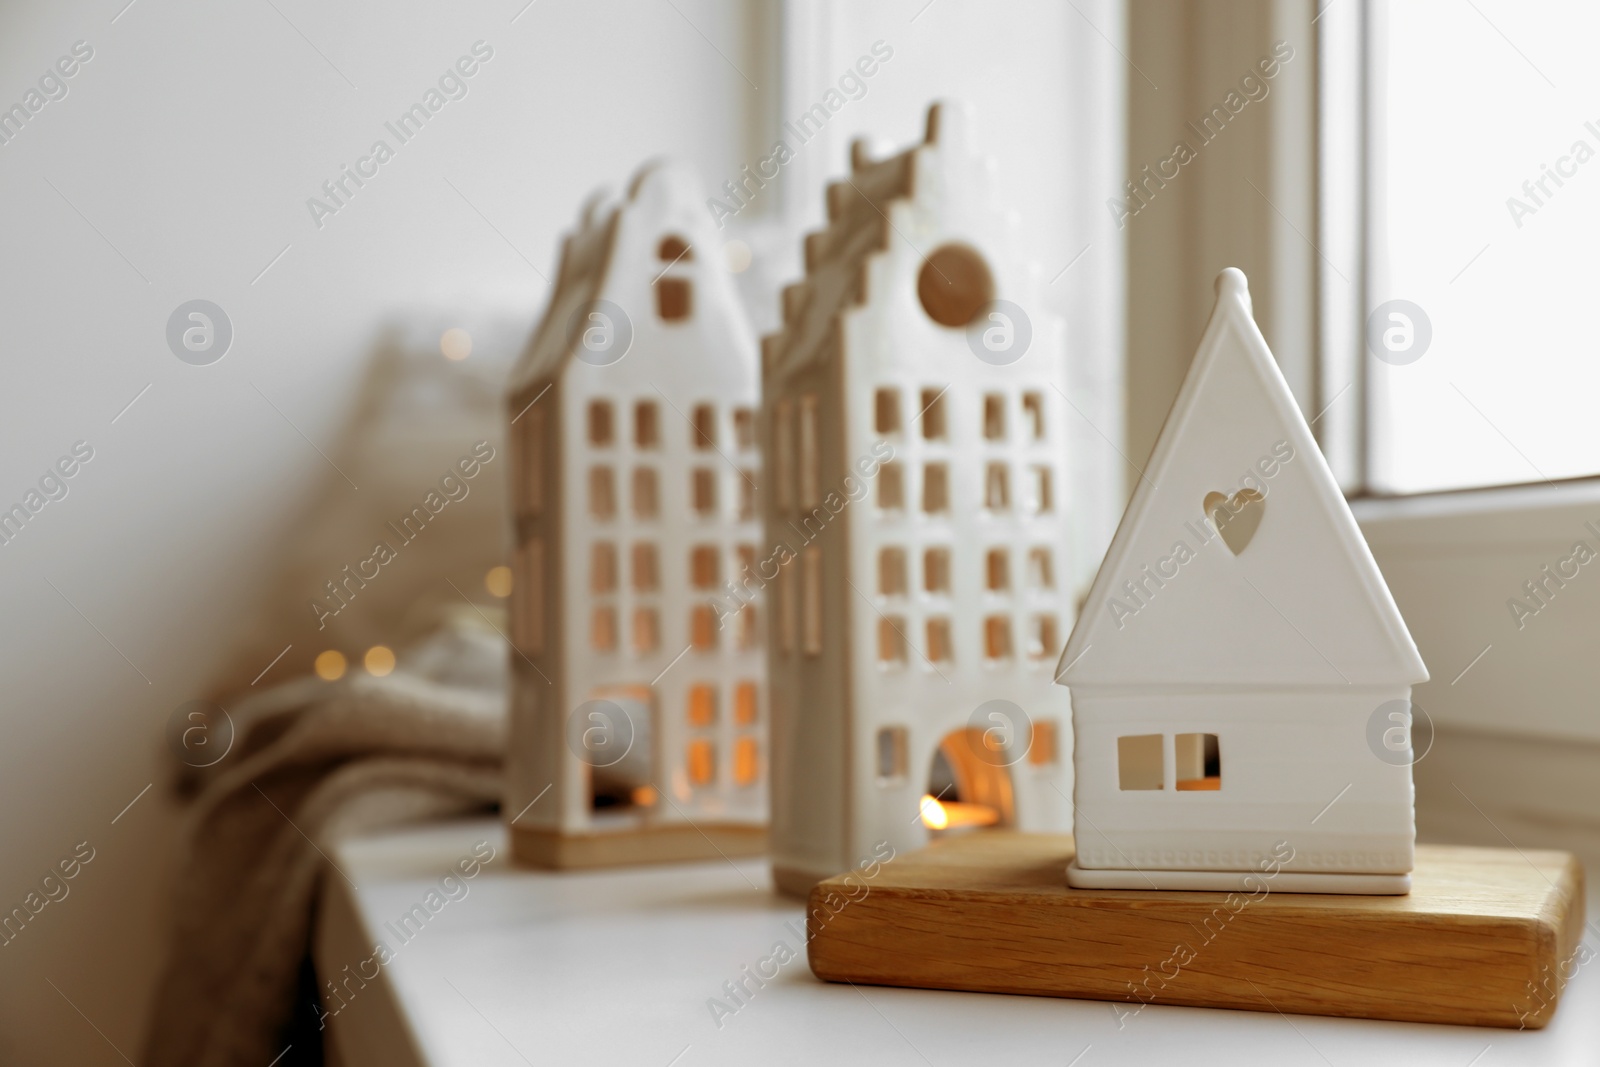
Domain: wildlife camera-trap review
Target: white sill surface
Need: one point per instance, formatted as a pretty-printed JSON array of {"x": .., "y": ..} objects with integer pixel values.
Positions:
[{"x": 617, "y": 967}]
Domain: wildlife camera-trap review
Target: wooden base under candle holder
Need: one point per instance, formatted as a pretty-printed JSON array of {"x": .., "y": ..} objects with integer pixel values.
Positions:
[{"x": 1486, "y": 937}]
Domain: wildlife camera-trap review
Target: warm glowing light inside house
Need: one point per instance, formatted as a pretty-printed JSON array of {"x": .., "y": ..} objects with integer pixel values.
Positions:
[
  {"x": 947, "y": 814},
  {"x": 644, "y": 796},
  {"x": 329, "y": 665},
  {"x": 379, "y": 661},
  {"x": 498, "y": 581}
]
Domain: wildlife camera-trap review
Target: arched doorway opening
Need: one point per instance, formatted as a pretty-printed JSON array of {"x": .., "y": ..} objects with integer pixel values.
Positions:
[{"x": 969, "y": 783}]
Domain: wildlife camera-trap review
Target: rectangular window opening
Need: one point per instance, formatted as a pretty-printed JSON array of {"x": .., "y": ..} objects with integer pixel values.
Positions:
[
  {"x": 936, "y": 570},
  {"x": 1033, "y": 415},
  {"x": 892, "y": 753},
  {"x": 704, "y": 491},
  {"x": 997, "y": 487},
  {"x": 1040, "y": 573},
  {"x": 940, "y": 647},
  {"x": 935, "y": 488},
  {"x": 1139, "y": 762},
  {"x": 646, "y": 424},
  {"x": 705, "y": 426},
  {"x": 646, "y": 568},
  {"x": 600, "y": 428},
  {"x": 702, "y": 628},
  {"x": 746, "y": 761},
  {"x": 646, "y": 630},
  {"x": 891, "y": 641},
  {"x": 702, "y": 704},
  {"x": 1045, "y": 744},
  {"x": 994, "y": 417},
  {"x": 932, "y": 417},
  {"x": 886, "y": 411},
  {"x": 783, "y": 453},
  {"x": 1198, "y": 763},
  {"x": 997, "y": 638},
  {"x": 811, "y": 597},
  {"x": 703, "y": 566},
  {"x": 891, "y": 487},
  {"x": 646, "y": 494},
  {"x": 997, "y": 570},
  {"x": 892, "y": 571},
  {"x": 789, "y": 610},
  {"x": 746, "y": 704},
  {"x": 810, "y": 453},
  {"x": 1043, "y": 638},
  {"x": 744, "y": 428},
  {"x": 1040, "y": 490},
  {"x": 702, "y": 762}
]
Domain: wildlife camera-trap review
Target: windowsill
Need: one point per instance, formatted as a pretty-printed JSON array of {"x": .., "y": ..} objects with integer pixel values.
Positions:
[
  {"x": 1457, "y": 564},
  {"x": 534, "y": 964}
]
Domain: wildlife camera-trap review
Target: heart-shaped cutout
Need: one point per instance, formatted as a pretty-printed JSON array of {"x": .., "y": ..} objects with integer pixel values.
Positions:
[{"x": 1236, "y": 519}]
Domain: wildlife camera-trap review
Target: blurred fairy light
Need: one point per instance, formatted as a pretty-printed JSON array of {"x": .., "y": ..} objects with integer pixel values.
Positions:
[
  {"x": 379, "y": 661},
  {"x": 456, "y": 344},
  {"x": 330, "y": 665},
  {"x": 498, "y": 581}
]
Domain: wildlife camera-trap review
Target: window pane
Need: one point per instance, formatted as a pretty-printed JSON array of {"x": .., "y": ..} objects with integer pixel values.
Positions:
[{"x": 1498, "y": 255}]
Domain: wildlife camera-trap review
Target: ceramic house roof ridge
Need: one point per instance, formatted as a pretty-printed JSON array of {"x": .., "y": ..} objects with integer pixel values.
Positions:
[
  {"x": 587, "y": 259},
  {"x": 837, "y": 255},
  {"x": 1391, "y": 657}
]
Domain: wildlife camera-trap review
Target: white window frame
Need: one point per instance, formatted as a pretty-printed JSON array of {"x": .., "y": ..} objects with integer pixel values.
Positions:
[{"x": 1454, "y": 558}]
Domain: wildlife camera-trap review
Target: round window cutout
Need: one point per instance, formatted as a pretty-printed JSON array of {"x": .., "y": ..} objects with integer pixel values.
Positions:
[{"x": 954, "y": 285}]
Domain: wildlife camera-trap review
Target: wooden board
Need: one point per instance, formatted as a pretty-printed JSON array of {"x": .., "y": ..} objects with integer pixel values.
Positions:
[
  {"x": 1483, "y": 938},
  {"x": 625, "y": 848}
]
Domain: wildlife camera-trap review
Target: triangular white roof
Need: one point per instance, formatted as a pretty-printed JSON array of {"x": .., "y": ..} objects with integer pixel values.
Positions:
[{"x": 1301, "y": 605}]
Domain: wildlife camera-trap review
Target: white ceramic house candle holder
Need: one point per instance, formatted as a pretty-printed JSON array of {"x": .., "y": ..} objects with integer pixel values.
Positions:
[
  {"x": 918, "y": 515},
  {"x": 638, "y": 726},
  {"x": 1239, "y": 670}
]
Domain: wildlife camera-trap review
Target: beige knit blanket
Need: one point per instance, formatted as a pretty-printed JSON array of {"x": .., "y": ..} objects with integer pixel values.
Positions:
[{"x": 313, "y": 762}]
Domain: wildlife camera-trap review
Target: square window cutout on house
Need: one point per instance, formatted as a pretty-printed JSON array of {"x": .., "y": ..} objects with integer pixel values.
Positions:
[
  {"x": 994, "y": 416},
  {"x": 1139, "y": 762},
  {"x": 646, "y": 424},
  {"x": 932, "y": 414},
  {"x": 935, "y": 487},
  {"x": 600, "y": 423},
  {"x": 892, "y": 761},
  {"x": 886, "y": 411},
  {"x": 1199, "y": 763},
  {"x": 891, "y": 487},
  {"x": 892, "y": 571},
  {"x": 705, "y": 427}
]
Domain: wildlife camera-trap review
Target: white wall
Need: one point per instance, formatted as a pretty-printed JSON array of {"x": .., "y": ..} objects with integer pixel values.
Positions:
[
  {"x": 178, "y": 166},
  {"x": 191, "y": 141}
]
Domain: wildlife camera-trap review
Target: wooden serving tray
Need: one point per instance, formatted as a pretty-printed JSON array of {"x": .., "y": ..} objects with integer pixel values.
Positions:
[{"x": 1485, "y": 938}]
